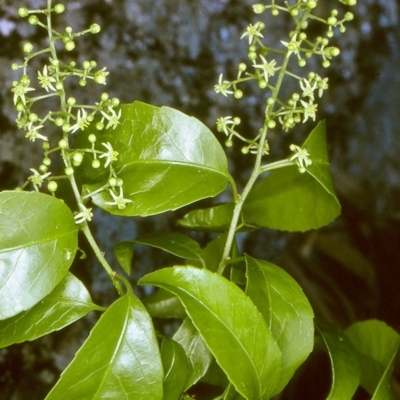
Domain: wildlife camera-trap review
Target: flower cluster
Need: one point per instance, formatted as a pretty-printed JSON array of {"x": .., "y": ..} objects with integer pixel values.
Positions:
[
  {"x": 72, "y": 117},
  {"x": 269, "y": 67}
]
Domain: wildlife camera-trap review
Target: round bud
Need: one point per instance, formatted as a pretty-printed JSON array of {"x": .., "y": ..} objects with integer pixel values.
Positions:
[
  {"x": 262, "y": 84},
  {"x": 270, "y": 101},
  {"x": 93, "y": 64},
  {"x": 20, "y": 107},
  {"x": 90, "y": 118},
  {"x": 294, "y": 12},
  {"x": 27, "y": 47},
  {"x": 46, "y": 161},
  {"x": 59, "y": 86},
  {"x": 71, "y": 101},
  {"x": 43, "y": 168},
  {"x": 33, "y": 117},
  {"x": 66, "y": 127},
  {"x": 324, "y": 42},
  {"x": 252, "y": 47},
  {"x": 236, "y": 120},
  {"x": 311, "y": 4},
  {"x": 23, "y": 12},
  {"x": 303, "y": 36},
  {"x": 59, "y": 121},
  {"x": 304, "y": 25},
  {"x": 68, "y": 29},
  {"x": 92, "y": 138},
  {"x": 15, "y": 67},
  {"x": 311, "y": 76},
  {"x": 295, "y": 97},
  {"x": 59, "y": 8},
  {"x": 45, "y": 146},
  {"x": 69, "y": 45},
  {"x": 334, "y": 51},
  {"x": 86, "y": 64},
  {"x": 72, "y": 64},
  {"x": 302, "y": 62},
  {"x": 112, "y": 182},
  {"x": 82, "y": 82},
  {"x": 95, "y": 164},
  {"x": 297, "y": 119},
  {"x": 252, "y": 55},
  {"x": 24, "y": 80},
  {"x": 245, "y": 150},
  {"x": 242, "y": 67},
  {"x": 326, "y": 63},
  {"x": 120, "y": 182},
  {"x": 238, "y": 94},
  {"x": 52, "y": 186},
  {"x": 258, "y": 8},
  {"x": 99, "y": 126},
  {"x": 100, "y": 78},
  {"x": 104, "y": 96},
  {"x": 342, "y": 29},
  {"x": 332, "y": 21},
  {"x": 291, "y": 102},
  {"x": 309, "y": 54},
  {"x": 115, "y": 102},
  {"x": 63, "y": 144},
  {"x": 271, "y": 124},
  {"x": 348, "y": 16},
  {"x": 228, "y": 143},
  {"x": 95, "y": 28},
  {"x": 33, "y": 20},
  {"x": 274, "y": 12},
  {"x": 69, "y": 171},
  {"x": 77, "y": 158},
  {"x": 261, "y": 25}
]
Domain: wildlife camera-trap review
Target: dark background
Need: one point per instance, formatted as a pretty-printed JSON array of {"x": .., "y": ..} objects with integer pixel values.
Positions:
[{"x": 171, "y": 52}]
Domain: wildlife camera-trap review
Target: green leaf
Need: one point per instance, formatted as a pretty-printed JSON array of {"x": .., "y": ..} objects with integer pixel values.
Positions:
[
  {"x": 377, "y": 345},
  {"x": 289, "y": 200},
  {"x": 197, "y": 354},
  {"x": 231, "y": 393},
  {"x": 344, "y": 362},
  {"x": 212, "y": 219},
  {"x": 175, "y": 369},
  {"x": 230, "y": 324},
  {"x": 119, "y": 360},
  {"x": 37, "y": 246},
  {"x": 68, "y": 302},
  {"x": 163, "y": 304},
  {"x": 166, "y": 160},
  {"x": 175, "y": 243},
  {"x": 124, "y": 253},
  {"x": 286, "y": 310}
]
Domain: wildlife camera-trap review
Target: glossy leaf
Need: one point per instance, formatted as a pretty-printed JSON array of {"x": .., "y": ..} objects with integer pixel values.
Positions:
[
  {"x": 175, "y": 369},
  {"x": 230, "y": 324},
  {"x": 175, "y": 243},
  {"x": 377, "y": 345},
  {"x": 166, "y": 160},
  {"x": 119, "y": 360},
  {"x": 231, "y": 393},
  {"x": 123, "y": 252},
  {"x": 68, "y": 302},
  {"x": 289, "y": 200},
  {"x": 286, "y": 310},
  {"x": 38, "y": 242},
  {"x": 163, "y": 304},
  {"x": 344, "y": 362},
  {"x": 197, "y": 354}
]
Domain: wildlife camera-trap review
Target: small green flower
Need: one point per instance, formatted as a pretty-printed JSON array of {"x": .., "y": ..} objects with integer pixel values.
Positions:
[
  {"x": 112, "y": 118},
  {"x": 110, "y": 156},
  {"x": 37, "y": 179},
  {"x": 222, "y": 87},
  {"x": 293, "y": 46},
  {"x": 301, "y": 157},
  {"x": 85, "y": 215},
  {"x": 253, "y": 31},
  {"x": 82, "y": 121},
  {"x": 45, "y": 80},
  {"x": 33, "y": 134},
  {"x": 268, "y": 68},
  {"x": 119, "y": 201},
  {"x": 308, "y": 89},
  {"x": 310, "y": 110},
  {"x": 223, "y": 124},
  {"x": 20, "y": 89}
]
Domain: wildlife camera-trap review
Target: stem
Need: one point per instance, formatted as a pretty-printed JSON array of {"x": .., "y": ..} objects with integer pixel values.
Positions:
[
  {"x": 255, "y": 173},
  {"x": 100, "y": 256}
]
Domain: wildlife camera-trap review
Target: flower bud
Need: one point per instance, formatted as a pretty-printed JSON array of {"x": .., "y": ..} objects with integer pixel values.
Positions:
[
  {"x": 95, "y": 28},
  {"x": 27, "y": 47},
  {"x": 69, "y": 45},
  {"x": 52, "y": 186},
  {"x": 23, "y": 12},
  {"x": 59, "y": 8},
  {"x": 95, "y": 164},
  {"x": 33, "y": 20}
]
